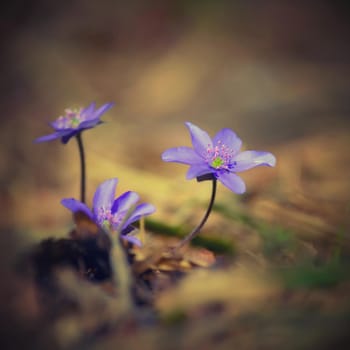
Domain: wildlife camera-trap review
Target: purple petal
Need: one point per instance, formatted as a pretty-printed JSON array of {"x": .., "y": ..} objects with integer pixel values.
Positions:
[
  {"x": 198, "y": 170},
  {"x": 89, "y": 110},
  {"x": 103, "y": 109},
  {"x": 233, "y": 182},
  {"x": 132, "y": 240},
  {"x": 124, "y": 202},
  {"x": 75, "y": 205},
  {"x": 90, "y": 123},
  {"x": 55, "y": 126},
  {"x": 228, "y": 138},
  {"x": 104, "y": 195},
  {"x": 127, "y": 230},
  {"x": 50, "y": 137},
  {"x": 185, "y": 155},
  {"x": 68, "y": 135},
  {"x": 250, "y": 159},
  {"x": 200, "y": 139},
  {"x": 141, "y": 210}
]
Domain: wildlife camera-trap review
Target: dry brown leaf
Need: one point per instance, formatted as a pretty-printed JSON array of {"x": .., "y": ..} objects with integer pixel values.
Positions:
[{"x": 200, "y": 257}]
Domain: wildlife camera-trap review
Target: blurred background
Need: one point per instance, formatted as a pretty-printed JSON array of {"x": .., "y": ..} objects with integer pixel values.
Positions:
[{"x": 276, "y": 72}]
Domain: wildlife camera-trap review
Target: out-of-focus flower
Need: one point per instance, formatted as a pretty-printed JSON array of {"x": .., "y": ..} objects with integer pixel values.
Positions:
[
  {"x": 219, "y": 157},
  {"x": 75, "y": 121},
  {"x": 110, "y": 213}
]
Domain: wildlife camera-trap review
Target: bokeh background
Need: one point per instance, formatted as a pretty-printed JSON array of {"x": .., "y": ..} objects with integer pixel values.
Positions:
[
  {"x": 276, "y": 72},
  {"x": 273, "y": 71}
]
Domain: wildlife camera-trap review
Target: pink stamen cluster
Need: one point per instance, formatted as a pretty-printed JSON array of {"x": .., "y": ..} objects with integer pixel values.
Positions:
[
  {"x": 107, "y": 219},
  {"x": 219, "y": 156},
  {"x": 71, "y": 120}
]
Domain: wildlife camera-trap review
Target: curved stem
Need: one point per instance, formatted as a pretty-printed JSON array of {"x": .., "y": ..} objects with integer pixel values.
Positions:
[
  {"x": 191, "y": 235},
  {"x": 82, "y": 167}
]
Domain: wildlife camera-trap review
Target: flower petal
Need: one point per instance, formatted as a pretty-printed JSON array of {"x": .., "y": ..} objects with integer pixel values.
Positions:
[
  {"x": 55, "y": 125},
  {"x": 200, "y": 139},
  {"x": 49, "y": 137},
  {"x": 68, "y": 135},
  {"x": 228, "y": 138},
  {"x": 75, "y": 205},
  {"x": 250, "y": 159},
  {"x": 88, "y": 124},
  {"x": 132, "y": 239},
  {"x": 104, "y": 195},
  {"x": 124, "y": 202},
  {"x": 88, "y": 111},
  {"x": 198, "y": 170},
  {"x": 103, "y": 109},
  {"x": 141, "y": 210},
  {"x": 232, "y": 181},
  {"x": 185, "y": 155}
]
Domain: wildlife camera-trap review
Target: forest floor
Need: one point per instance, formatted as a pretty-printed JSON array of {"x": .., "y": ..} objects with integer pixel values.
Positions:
[{"x": 270, "y": 269}]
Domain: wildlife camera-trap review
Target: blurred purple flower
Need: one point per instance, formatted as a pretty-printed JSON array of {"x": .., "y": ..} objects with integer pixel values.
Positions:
[
  {"x": 218, "y": 157},
  {"x": 75, "y": 121},
  {"x": 109, "y": 213}
]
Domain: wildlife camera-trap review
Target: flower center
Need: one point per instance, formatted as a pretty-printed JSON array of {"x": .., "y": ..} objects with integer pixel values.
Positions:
[
  {"x": 217, "y": 162},
  {"x": 107, "y": 220},
  {"x": 219, "y": 156},
  {"x": 71, "y": 120}
]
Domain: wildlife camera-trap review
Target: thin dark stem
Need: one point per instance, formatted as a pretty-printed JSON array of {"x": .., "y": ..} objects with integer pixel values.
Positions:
[
  {"x": 191, "y": 235},
  {"x": 82, "y": 167}
]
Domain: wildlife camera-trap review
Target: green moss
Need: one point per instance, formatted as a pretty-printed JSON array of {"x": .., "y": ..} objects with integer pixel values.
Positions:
[
  {"x": 174, "y": 317},
  {"x": 165, "y": 229},
  {"x": 276, "y": 239},
  {"x": 215, "y": 244},
  {"x": 311, "y": 276},
  {"x": 230, "y": 213}
]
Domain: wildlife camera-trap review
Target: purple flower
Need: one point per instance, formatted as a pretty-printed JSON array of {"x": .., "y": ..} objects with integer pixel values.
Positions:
[
  {"x": 109, "y": 213},
  {"x": 75, "y": 121},
  {"x": 218, "y": 157}
]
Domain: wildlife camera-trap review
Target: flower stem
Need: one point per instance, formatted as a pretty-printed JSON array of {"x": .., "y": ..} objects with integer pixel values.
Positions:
[
  {"x": 195, "y": 231},
  {"x": 122, "y": 275},
  {"x": 82, "y": 167}
]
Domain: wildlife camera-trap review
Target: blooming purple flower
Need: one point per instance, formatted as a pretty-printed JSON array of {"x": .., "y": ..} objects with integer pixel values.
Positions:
[
  {"x": 109, "y": 213},
  {"x": 218, "y": 157},
  {"x": 75, "y": 121}
]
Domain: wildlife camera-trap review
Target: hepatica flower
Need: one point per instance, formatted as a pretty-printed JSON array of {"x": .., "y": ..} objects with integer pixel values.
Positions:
[
  {"x": 216, "y": 159},
  {"x": 219, "y": 157},
  {"x": 74, "y": 121},
  {"x": 113, "y": 214},
  {"x": 71, "y": 124}
]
